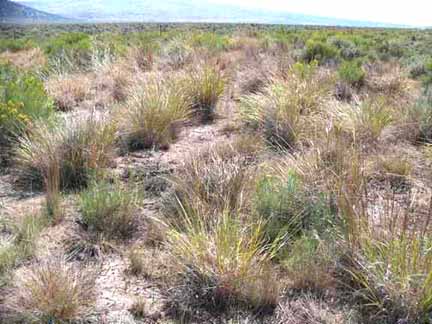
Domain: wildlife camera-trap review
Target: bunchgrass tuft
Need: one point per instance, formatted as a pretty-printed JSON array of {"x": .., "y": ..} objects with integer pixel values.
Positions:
[
  {"x": 152, "y": 114},
  {"x": 75, "y": 149},
  {"x": 51, "y": 291},
  {"x": 109, "y": 209},
  {"x": 204, "y": 86}
]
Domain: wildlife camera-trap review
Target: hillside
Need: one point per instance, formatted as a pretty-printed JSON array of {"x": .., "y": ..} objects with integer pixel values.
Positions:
[
  {"x": 180, "y": 11},
  {"x": 11, "y": 12}
]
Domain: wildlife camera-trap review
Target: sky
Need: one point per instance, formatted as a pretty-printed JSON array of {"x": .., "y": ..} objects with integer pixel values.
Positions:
[
  {"x": 412, "y": 12},
  {"x": 409, "y": 12}
]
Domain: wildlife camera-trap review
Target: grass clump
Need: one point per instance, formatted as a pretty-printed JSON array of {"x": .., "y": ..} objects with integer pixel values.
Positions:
[
  {"x": 152, "y": 114},
  {"x": 137, "y": 261},
  {"x": 78, "y": 147},
  {"x": 279, "y": 111},
  {"x": 393, "y": 273},
  {"x": 51, "y": 291},
  {"x": 223, "y": 263},
  {"x": 21, "y": 244},
  {"x": 204, "y": 87},
  {"x": 213, "y": 181},
  {"x": 108, "y": 209}
]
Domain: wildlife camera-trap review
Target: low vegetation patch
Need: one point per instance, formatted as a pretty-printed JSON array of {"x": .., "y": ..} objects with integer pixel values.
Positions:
[
  {"x": 51, "y": 291},
  {"x": 153, "y": 114},
  {"x": 79, "y": 147},
  {"x": 109, "y": 209}
]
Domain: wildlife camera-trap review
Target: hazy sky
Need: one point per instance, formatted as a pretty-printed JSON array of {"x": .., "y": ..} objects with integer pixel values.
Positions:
[{"x": 413, "y": 12}]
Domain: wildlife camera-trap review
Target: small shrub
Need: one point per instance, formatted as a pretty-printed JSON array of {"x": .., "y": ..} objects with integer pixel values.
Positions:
[
  {"x": 72, "y": 49},
  {"x": 280, "y": 205},
  {"x": 319, "y": 51},
  {"x": 352, "y": 73},
  {"x": 51, "y": 291},
  {"x": 204, "y": 86},
  {"x": 108, "y": 209},
  {"x": 421, "y": 114},
  {"x": 348, "y": 50},
  {"x": 22, "y": 100},
  {"x": 80, "y": 146},
  {"x": 152, "y": 114},
  {"x": 416, "y": 67},
  {"x": 427, "y": 78}
]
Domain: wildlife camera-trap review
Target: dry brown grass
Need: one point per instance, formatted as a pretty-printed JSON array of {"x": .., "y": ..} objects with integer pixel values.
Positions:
[
  {"x": 26, "y": 59},
  {"x": 52, "y": 290},
  {"x": 310, "y": 310},
  {"x": 80, "y": 147},
  {"x": 214, "y": 180},
  {"x": 114, "y": 80},
  {"x": 153, "y": 113},
  {"x": 69, "y": 91}
]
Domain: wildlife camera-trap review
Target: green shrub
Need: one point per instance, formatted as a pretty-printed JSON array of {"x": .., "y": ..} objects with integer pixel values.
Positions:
[
  {"x": 109, "y": 209},
  {"x": 70, "y": 49},
  {"x": 281, "y": 205},
  {"x": 24, "y": 89},
  {"x": 210, "y": 41},
  {"x": 15, "y": 45},
  {"x": 352, "y": 73},
  {"x": 427, "y": 78},
  {"x": 416, "y": 66},
  {"x": 348, "y": 50},
  {"x": 320, "y": 51},
  {"x": 421, "y": 114},
  {"x": 23, "y": 100}
]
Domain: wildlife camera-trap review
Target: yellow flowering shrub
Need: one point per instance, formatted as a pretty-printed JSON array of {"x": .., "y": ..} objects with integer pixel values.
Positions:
[{"x": 12, "y": 114}]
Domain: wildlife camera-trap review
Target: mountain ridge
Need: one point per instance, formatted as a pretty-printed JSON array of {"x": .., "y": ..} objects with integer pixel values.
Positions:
[{"x": 13, "y": 12}]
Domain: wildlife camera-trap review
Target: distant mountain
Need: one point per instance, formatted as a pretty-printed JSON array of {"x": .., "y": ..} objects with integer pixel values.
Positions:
[
  {"x": 179, "y": 11},
  {"x": 12, "y": 12}
]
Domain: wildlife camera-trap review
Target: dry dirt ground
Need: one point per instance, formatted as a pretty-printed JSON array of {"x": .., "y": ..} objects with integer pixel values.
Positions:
[{"x": 116, "y": 289}]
